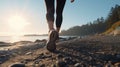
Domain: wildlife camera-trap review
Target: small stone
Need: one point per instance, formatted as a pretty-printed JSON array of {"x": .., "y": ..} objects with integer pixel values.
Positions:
[
  {"x": 68, "y": 60},
  {"x": 40, "y": 56},
  {"x": 28, "y": 53},
  {"x": 36, "y": 62},
  {"x": 37, "y": 41},
  {"x": 17, "y": 65},
  {"x": 77, "y": 65},
  {"x": 89, "y": 58}
]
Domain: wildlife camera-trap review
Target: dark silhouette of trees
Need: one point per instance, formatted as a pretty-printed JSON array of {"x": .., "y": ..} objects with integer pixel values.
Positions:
[
  {"x": 97, "y": 26},
  {"x": 113, "y": 16}
]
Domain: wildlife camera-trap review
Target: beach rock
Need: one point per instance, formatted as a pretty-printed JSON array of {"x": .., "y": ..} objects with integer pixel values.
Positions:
[
  {"x": 38, "y": 41},
  {"x": 68, "y": 60},
  {"x": 77, "y": 65},
  {"x": 71, "y": 38},
  {"x": 89, "y": 58},
  {"x": 2, "y": 43},
  {"x": 22, "y": 42},
  {"x": 44, "y": 40},
  {"x": 28, "y": 53},
  {"x": 82, "y": 64},
  {"x": 61, "y": 39},
  {"x": 36, "y": 62},
  {"x": 42, "y": 56},
  {"x": 3, "y": 58},
  {"x": 17, "y": 65}
]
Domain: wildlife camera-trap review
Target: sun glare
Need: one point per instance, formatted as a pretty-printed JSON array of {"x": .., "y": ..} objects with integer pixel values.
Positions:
[{"x": 17, "y": 23}]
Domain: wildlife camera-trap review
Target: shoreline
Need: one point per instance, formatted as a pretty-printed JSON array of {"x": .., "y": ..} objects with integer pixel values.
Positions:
[
  {"x": 89, "y": 51},
  {"x": 12, "y": 39}
]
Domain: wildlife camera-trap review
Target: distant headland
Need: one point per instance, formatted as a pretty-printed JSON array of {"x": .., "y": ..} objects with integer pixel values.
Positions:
[{"x": 35, "y": 35}]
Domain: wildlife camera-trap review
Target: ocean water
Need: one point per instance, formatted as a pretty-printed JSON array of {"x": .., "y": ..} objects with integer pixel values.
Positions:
[
  {"x": 21, "y": 38},
  {"x": 12, "y": 39}
]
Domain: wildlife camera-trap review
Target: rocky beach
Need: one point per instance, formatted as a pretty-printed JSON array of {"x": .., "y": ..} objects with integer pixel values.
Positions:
[{"x": 90, "y": 51}]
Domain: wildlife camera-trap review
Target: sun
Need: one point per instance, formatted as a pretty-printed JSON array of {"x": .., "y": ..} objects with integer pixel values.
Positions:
[{"x": 17, "y": 23}]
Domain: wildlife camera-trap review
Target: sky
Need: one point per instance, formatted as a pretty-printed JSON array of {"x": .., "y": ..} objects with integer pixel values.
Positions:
[{"x": 18, "y": 17}]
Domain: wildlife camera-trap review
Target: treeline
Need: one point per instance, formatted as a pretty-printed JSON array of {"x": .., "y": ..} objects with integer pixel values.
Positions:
[{"x": 98, "y": 26}]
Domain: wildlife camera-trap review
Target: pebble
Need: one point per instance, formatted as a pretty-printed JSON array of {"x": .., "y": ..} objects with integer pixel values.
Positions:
[
  {"x": 28, "y": 53},
  {"x": 77, "y": 65},
  {"x": 68, "y": 60}
]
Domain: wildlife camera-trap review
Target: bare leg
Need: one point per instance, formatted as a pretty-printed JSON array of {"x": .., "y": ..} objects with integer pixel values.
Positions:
[
  {"x": 51, "y": 25},
  {"x": 53, "y": 35},
  {"x": 58, "y": 29},
  {"x": 50, "y": 13}
]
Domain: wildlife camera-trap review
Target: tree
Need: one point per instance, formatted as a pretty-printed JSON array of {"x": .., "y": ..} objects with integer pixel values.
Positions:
[{"x": 97, "y": 26}]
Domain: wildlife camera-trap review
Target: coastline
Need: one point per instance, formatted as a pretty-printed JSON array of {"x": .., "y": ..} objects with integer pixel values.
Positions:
[{"x": 89, "y": 51}]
